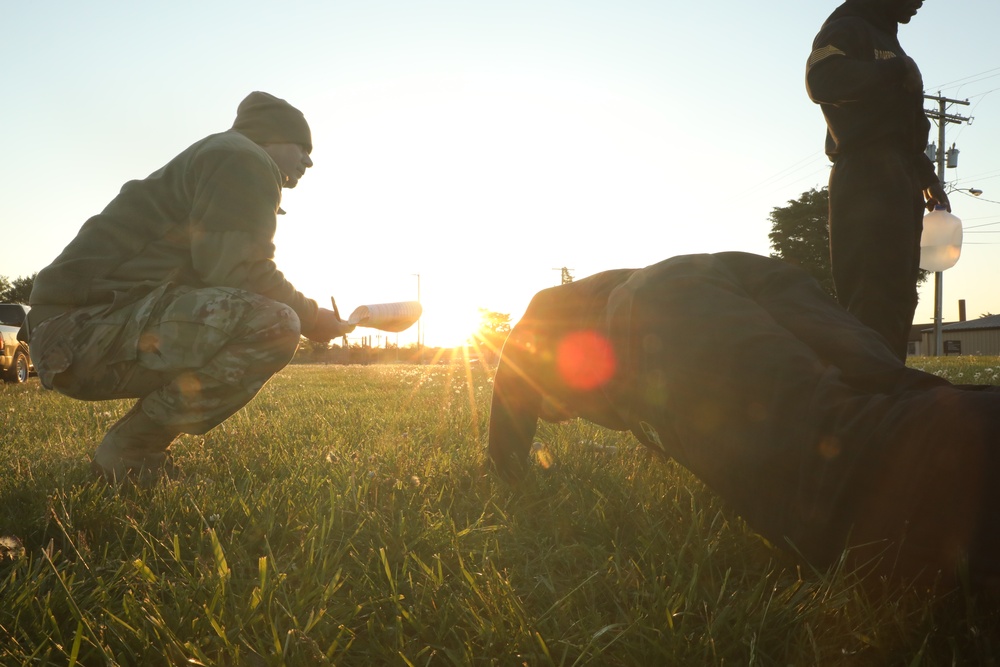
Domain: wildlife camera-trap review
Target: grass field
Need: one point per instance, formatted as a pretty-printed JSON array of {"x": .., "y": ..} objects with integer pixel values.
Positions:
[{"x": 346, "y": 517}]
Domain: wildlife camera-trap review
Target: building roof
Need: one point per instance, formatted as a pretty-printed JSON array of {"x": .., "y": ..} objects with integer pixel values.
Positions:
[
  {"x": 917, "y": 330},
  {"x": 988, "y": 322}
]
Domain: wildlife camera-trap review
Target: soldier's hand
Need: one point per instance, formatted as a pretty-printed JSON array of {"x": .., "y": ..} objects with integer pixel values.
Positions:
[
  {"x": 913, "y": 81},
  {"x": 329, "y": 326},
  {"x": 936, "y": 196}
]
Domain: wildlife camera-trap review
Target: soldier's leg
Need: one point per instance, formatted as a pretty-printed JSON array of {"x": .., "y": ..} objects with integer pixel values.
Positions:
[
  {"x": 875, "y": 223},
  {"x": 201, "y": 358},
  {"x": 88, "y": 354},
  {"x": 192, "y": 356}
]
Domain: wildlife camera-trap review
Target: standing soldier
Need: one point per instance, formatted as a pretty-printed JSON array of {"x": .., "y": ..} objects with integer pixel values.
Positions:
[
  {"x": 871, "y": 94},
  {"x": 171, "y": 295}
]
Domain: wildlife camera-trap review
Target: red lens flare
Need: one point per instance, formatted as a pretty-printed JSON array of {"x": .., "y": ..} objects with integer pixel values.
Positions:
[{"x": 585, "y": 360}]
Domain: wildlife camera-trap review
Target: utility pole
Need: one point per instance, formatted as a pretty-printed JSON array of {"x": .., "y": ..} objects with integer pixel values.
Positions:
[
  {"x": 419, "y": 341},
  {"x": 942, "y": 117},
  {"x": 567, "y": 277}
]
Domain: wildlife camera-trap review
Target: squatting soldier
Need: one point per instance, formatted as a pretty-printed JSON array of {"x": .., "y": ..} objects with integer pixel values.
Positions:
[
  {"x": 871, "y": 94},
  {"x": 742, "y": 370},
  {"x": 171, "y": 295}
]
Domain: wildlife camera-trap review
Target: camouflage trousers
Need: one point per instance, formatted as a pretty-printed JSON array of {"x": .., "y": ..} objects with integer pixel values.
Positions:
[{"x": 193, "y": 356}]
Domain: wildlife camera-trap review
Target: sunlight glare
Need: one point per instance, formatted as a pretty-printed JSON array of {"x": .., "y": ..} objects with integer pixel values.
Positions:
[
  {"x": 451, "y": 325},
  {"x": 586, "y": 360}
]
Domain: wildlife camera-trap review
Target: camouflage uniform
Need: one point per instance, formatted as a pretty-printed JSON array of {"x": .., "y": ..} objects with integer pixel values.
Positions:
[
  {"x": 193, "y": 356},
  {"x": 171, "y": 295}
]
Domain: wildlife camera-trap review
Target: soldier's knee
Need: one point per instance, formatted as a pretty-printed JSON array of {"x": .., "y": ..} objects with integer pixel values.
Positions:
[
  {"x": 294, "y": 331},
  {"x": 290, "y": 321},
  {"x": 280, "y": 326}
]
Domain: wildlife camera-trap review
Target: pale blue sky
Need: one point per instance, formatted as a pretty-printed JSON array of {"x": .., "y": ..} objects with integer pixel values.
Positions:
[{"x": 478, "y": 144}]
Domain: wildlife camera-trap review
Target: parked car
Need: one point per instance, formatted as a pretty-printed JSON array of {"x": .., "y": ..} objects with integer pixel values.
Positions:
[{"x": 15, "y": 361}]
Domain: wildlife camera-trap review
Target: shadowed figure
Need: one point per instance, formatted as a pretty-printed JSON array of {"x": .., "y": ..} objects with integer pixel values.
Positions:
[
  {"x": 804, "y": 420},
  {"x": 871, "y": 95}
]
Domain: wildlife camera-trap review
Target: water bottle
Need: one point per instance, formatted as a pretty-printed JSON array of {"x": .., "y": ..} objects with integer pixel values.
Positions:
[{"x": 941, "y": 240}]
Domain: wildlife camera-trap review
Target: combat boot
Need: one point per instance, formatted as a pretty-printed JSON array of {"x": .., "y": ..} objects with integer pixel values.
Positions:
[{"x": 134, "y": 448}]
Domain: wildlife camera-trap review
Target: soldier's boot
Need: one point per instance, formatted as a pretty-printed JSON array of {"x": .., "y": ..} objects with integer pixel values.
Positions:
[{"x": 134, "y": 449}]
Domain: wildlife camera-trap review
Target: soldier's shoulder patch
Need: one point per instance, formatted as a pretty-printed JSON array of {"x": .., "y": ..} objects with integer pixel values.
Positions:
[{"x": 822, "y": 54}]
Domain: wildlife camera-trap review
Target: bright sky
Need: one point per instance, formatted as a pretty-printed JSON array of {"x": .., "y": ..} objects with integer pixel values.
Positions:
[{"x": 480, "y": 145}]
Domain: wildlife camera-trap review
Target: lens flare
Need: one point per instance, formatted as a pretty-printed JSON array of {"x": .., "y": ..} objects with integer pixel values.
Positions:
[{"x": 585, "y": 360}]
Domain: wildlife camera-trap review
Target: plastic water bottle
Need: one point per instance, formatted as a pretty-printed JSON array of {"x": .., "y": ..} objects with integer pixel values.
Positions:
[{"x": 941, "y": 240}]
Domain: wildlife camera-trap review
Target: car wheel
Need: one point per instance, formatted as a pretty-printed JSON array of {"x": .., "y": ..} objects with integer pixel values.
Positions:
[{"x": 18, "y": 371}]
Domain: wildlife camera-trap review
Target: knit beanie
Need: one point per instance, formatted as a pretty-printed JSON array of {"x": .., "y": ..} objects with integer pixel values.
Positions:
[{"x": 266, "y": 119}]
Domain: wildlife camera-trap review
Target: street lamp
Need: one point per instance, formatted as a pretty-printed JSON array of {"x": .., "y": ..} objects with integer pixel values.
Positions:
[{"x": 975, "y": 192}]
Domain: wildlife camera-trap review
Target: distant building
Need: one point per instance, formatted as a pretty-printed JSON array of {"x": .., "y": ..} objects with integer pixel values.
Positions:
[
  {"x": 915, "y": 346},
  {"x": 979, "y": 337}
]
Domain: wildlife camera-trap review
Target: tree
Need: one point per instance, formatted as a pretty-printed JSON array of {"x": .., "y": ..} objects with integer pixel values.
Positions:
[
  {"x": 17, "y": 290},
  {"x": 493, "y": 328},
  {"x": 800, "y": 234}
]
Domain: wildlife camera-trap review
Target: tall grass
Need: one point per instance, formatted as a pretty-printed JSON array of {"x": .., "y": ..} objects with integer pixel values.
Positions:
[{"x": 347, "y": 517}]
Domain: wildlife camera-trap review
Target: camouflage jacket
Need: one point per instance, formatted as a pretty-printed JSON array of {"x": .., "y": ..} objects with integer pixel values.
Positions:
[{"x": 207, "y": 218}]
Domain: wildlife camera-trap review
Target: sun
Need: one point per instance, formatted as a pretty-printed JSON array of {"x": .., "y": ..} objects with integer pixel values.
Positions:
[{"x": 452, "y": 326}]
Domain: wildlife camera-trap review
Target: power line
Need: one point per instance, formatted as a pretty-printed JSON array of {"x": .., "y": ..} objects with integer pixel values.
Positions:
[
  {"x": 985, "y": 176},
  {"x": 971, "y": 196},
  {"x": 801, "y": 164},
  {"x": 982, "y": 97},
  {"x": 980, "y": 226},
  {"x": 795, "y": 167},
  {"x": 983, "y": 94},
  {"x": 971, "y": 76},
  {"x": 962, "y": 82}
]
